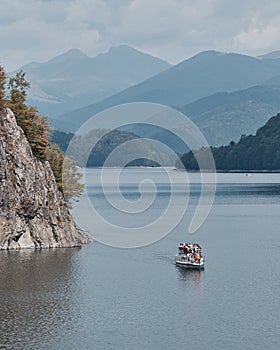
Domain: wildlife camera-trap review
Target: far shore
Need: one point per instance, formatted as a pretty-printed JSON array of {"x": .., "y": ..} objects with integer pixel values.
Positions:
[{"x": 235, "y": 171}]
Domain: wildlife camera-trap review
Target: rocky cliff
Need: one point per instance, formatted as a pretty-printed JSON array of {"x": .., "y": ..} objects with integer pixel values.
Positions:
[{"x": 33, "y": 213}]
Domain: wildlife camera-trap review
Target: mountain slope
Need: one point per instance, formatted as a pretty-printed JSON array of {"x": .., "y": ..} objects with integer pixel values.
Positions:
[
  {"x": 275, "y": 81},
  {"x": 106, "y": 142},
  {"x": 258, "y": 152},
  {"x": 223, "y": 117},
  {"x": 271, "y": 55},
  {"x": 73, "y": 79},
  {"x": 202, "y": 75}
]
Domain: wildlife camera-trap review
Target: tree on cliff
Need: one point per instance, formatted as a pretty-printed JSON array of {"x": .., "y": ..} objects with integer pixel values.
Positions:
[
  {"x": 34, "y": 126},
  {"x": 3, "y": 78},
  {"x": 36, "y": 130},
  {"x": 67, "y": 181}
]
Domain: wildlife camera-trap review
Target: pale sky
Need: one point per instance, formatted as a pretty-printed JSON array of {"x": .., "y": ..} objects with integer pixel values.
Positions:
[{"x": 37, "y": 30}]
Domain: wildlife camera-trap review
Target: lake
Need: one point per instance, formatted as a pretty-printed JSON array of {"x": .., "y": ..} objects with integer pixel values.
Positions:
[{"x": 101, "y": 297}]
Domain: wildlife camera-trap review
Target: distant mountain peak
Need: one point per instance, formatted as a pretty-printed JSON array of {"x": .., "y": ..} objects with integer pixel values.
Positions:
[
  {"x": 124, "y": 49},
  {"x": 121, "y": 49},
  {"x": 73, "y": 54},
  {"x": 210, "y": 57},
  {"x": 211, "y": 53},
  {"x": 214, "y": 53},
  {"x": 75, "y": 51},
  {"x": 73, "y": 79},
  {"x": 271, "y": 55}
]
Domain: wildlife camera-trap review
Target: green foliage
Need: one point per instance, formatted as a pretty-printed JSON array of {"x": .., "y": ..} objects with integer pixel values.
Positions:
[
  {"x": 71, "y": 180},
  {"x": 106, "y": 145},
  {"x": 106, "y": 142},
  {"x": 18, "y": 86},
  {"x": 258, "y": 152},
  {"x": 62, "y": 139},
  {"x": 55, "y": 157},
  {"x": 66, "y": 173},
  {"x": 34, "y": 126}
]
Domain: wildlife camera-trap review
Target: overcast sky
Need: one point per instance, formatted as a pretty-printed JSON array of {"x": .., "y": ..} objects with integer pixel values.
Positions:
[{"x": 37, "y": 30}]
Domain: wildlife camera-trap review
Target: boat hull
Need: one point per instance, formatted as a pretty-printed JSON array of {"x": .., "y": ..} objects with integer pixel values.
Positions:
[
  {"x": 183, "y": 260},
  {"x": 189, "y": 265}
]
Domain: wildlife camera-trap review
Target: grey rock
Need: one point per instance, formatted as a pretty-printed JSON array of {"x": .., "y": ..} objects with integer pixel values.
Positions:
[{"x": 33, "y": 213}]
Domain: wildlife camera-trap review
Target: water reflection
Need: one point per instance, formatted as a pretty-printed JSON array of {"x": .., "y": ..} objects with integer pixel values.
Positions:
[
  {"x": 190, "y": 275},
  {"x": 35, "y": 295}
]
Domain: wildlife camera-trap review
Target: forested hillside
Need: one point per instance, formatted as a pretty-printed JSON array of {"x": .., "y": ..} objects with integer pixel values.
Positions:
[
  {"x": 108, "y": 142},
  {"x": 258, "y": 152}
]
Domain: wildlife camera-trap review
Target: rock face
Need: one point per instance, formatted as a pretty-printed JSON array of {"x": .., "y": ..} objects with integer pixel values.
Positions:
[{"x": 33, "y": 213}]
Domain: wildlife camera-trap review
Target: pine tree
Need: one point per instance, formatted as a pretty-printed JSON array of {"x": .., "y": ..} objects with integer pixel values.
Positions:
[
  {"x": 34, "y": 126},
  {"x": 18, "y": 86}
]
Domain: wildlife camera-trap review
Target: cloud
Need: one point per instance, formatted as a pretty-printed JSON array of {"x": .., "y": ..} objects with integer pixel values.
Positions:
[{"x": 173, "y": 29}]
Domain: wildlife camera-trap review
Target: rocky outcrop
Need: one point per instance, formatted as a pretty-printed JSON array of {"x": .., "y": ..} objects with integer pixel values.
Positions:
[{"x": 33, "y": 213}]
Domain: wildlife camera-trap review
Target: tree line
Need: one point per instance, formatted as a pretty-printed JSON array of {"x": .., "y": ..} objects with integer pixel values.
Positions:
[
  {"x": 259, "y": 152},
  {"x": 13, "y": 93},
  {"x": 106, "y": 141}
]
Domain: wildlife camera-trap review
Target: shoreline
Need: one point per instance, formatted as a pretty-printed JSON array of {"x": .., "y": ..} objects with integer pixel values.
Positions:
[{"x": 235, "y": 171}]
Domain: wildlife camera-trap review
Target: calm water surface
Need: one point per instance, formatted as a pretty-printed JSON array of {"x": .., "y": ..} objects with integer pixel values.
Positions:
[{"x": 99, "y": 297}]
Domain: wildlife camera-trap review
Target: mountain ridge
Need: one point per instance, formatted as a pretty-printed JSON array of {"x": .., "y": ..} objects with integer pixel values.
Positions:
[
  {"x": 73, "y": 79},
  {"x": 270, "y": 55},
  {"x": 202, "y": 75}
]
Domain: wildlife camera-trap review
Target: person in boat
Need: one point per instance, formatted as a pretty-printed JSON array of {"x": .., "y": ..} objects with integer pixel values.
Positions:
[
  {"x": 182, "y": 248},
  {"x": 197, "y": 257},
  {"x": 189, "y": 248},
  {"x": 197, "y": 248}
]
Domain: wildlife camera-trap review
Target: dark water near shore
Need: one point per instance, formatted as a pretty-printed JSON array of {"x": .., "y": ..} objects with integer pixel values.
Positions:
[{"x": 99, "y": 297}]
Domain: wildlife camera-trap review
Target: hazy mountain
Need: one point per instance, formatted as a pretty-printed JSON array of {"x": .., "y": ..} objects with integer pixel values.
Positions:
[
  {"x": 271, "y": 55},
  {"x": 199, "y": 76},
  {"x": 272, "y": 59},
  {"x": 73, "y": 79},
  {"x": 224, "y": 117},
  {"x": 275, "y": 81}
]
